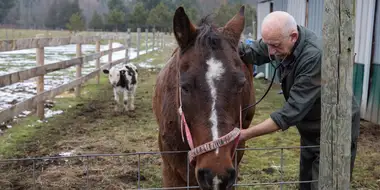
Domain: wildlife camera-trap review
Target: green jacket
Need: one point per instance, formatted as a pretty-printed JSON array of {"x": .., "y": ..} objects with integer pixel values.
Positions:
[{"x": 300, "y": 77}]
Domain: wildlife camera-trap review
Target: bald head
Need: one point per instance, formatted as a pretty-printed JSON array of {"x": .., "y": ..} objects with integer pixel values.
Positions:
[
  {"x": 279, "y": 32},
  {"x": 279, "y": 22}
]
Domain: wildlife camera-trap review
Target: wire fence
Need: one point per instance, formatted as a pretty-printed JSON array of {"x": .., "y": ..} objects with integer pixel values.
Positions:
[{"x": 127, "y": 163}]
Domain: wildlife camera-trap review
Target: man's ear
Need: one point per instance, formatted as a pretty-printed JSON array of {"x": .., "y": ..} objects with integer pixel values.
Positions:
[{"x": 294, "y": 36}]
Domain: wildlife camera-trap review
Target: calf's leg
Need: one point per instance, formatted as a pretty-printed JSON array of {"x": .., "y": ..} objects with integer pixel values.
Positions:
[
  {"x": 125, "y": 93},
  {"x": 116, "y": 97},
  {"x": 132, "y": 97},
  {"x": 132, "y": 101}
]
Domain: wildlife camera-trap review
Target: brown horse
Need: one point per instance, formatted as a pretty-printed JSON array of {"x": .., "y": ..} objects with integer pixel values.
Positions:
[{"x": 201, "y": 92}]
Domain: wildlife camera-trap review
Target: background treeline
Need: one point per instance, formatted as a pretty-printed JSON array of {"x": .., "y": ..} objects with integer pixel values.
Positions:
[{"x": 114, "y": 15}]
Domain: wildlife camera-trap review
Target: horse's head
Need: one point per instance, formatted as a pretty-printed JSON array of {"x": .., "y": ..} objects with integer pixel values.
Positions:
[{"x": 212, "y": 86}]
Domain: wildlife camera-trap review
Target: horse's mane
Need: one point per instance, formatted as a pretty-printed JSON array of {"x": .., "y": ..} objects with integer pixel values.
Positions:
[{"x": 207, "y": 34}]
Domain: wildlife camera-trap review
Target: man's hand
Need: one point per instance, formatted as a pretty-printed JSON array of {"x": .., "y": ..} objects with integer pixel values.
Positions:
[
  {"x": 268, "y": 126},
  {"x": 245, "y": 53}
]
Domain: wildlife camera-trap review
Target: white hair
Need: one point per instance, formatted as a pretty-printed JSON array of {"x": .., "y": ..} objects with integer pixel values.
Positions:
[{"x": 283, "y": 19}]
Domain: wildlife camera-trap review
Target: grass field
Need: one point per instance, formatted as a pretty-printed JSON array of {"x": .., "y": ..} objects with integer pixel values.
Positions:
[{"x": 89, "y": 125}]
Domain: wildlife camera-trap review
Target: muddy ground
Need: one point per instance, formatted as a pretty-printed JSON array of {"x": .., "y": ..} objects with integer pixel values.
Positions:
[{"x": 90, "y": 125}]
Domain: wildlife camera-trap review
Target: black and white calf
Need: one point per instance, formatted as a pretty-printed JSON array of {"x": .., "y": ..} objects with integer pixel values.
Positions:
[{"x": 124, "y": 81}]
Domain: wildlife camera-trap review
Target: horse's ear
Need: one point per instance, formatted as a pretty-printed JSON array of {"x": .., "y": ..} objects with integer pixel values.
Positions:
[
  {"x": 234, "y": 27},
  {"x": 184, "y": 30}
]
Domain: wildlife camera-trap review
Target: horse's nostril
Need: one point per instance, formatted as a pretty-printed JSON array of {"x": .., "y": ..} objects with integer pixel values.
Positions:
[
  {"x": 205, "y": 177},
  {"x": 231, "y": 176}
]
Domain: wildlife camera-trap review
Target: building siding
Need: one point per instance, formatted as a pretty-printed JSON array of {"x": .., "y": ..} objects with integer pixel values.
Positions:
[
  {"x": 358, "y": 81},
  {"x": 263, "y": 10},
  {"x": 364, "y": 21},
  {"x": 280, "y": 5},
  {"x": 373, "y": 107},
  {"x": 297, "y": 8},
  {"x": 315, "y": 16}
]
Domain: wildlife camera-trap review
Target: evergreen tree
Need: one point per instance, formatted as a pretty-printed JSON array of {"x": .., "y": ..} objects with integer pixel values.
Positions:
[
  {"x": 76, "y": 23},
  {"x": 139, "y": 16},
  {"x": 116, "y": 18},
  {"x": 96, "y": 21},
  {"x": 5, "y": 7}
]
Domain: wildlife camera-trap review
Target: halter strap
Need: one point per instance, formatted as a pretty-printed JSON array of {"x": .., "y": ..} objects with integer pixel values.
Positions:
[{"x": 212, "y": 145}]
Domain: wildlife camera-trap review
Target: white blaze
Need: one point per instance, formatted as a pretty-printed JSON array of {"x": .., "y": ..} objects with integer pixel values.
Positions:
[
  {"x": 215, "y": 182},
  {"x": 214, "y": 72}
]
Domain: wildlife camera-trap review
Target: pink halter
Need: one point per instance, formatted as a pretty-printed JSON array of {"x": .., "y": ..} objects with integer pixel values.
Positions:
[{"x": 234, "y": 135}]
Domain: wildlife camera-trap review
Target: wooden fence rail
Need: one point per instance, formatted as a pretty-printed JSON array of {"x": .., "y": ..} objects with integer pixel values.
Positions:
[{"x": 40, "y": 70}]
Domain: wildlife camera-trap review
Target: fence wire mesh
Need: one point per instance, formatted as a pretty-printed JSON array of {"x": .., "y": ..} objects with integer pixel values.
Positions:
[{"x": 54, "y": 171}]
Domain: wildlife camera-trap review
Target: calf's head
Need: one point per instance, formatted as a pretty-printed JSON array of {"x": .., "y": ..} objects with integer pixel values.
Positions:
[{"x": 114, "y": 75}]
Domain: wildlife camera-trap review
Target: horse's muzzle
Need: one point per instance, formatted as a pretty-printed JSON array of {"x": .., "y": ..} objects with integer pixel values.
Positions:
[{"x": 207, "y": 180}]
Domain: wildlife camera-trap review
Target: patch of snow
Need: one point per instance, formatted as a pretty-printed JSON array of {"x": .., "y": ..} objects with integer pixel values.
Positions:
[
  {"x": 67, "y": 153},
  {"x": 50, "y": 113},
  {"x": 18, "y": 60},
  {"x": 14, "y": 61},
  {"x": 40, "y": 121},
  {"x": 276, "y": 167},
  {"x": 145, "y": 65}
]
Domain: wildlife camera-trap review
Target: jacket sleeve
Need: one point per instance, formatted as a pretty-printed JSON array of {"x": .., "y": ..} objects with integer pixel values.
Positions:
[
  {"x": 255, "y": 53},
  {"x": 303, "y": 94}
]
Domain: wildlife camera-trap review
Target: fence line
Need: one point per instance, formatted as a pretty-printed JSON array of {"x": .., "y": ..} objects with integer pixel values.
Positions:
[
  {"x": 280, "y": 182},
  {"x": 41, "y": 69}
]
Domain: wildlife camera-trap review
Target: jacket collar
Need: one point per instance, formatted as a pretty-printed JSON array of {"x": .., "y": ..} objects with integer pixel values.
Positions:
[{"x": 298, "y": 46}]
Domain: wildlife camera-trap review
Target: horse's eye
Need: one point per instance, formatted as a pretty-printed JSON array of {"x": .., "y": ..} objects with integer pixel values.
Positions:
[{"x": 185, "y": 88}]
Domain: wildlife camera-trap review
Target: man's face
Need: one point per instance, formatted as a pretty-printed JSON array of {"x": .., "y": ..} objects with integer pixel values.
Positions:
[{"x": 279, "y": 44}]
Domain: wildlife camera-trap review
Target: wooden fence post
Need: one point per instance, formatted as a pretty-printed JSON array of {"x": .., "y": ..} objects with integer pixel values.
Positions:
[
  {"x": 336, "y": 92},
  {"x": 129, "y": 37},
  {"x": 138, "y": 42},
  {"x": 146, "y": 40},
  {"x": 110, "y": 48},
  {"x": 40, "y": 60},
  {"x": 98, "y": 61},
  {"x": 162, "y": 41},
  {"x": 159, "y": 40},
  {"x": 153, "y": 37},
  {"x": 78, "y": 69},
  {"x": 127, "y": 47}
]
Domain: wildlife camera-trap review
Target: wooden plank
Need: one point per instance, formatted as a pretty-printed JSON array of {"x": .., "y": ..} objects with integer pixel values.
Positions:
[
  {"x": 78, "y": 71},
  {"x": 20, "y": 76},
  {"x": 138, "y": 42},
  {"x": 40, "y": 59},
  {"x": 109, "y": 65},
  {"x": 337, "y": 71},
  {"x": 146, "y": 40},
  {"x": 110, "y": 52},
  {"x": 29, "y": 43},
  {"x": 31, "y": 103},
  {"x": 97, "y": 49}
]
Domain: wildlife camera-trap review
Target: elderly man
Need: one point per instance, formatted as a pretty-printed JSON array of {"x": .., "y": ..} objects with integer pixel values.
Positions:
[{"x": 298, "y": 53}]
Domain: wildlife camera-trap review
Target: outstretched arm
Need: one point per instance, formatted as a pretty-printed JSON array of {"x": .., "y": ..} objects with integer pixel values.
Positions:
[
  {"x": 266, "y": 127},
  {"x": 303, "y": 94}
]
